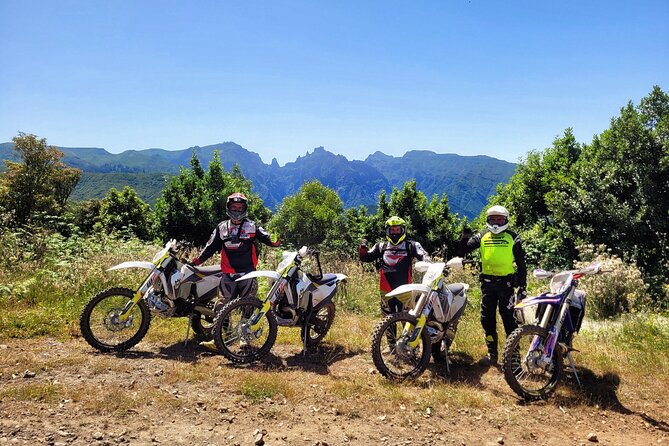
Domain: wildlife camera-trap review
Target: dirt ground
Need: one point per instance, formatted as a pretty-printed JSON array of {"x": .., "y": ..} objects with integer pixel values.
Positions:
[{"x": 65, "y": 393}]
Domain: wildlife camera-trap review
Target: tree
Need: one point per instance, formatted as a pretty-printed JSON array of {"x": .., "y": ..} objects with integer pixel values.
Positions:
[
  {"x": 39, "y": 184},
  {"x": 612, "y": 192},
  {"x": 85, "y": 214},
  {"x": 309, "y": 217},
  {"x": 124, "y": 211}
]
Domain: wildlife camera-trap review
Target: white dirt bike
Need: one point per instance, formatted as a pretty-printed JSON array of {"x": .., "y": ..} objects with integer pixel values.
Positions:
[
  {"x": 402, "y": 342},
  {"x": 245, "y": 329},
  {"x": 118, "y": 318}
]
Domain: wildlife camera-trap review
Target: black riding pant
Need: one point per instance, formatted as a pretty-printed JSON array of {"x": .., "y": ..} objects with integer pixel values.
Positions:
[
  {"x": 496, "y": 293},
  {"x": 230, "y": 289}
]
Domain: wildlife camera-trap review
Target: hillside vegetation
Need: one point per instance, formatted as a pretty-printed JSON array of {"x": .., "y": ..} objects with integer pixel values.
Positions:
[{"x": 571, "y": 203}]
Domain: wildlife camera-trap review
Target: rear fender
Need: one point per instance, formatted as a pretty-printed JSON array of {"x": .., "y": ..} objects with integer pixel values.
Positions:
[
  {"x": 253, "y": 274},
  {"x": 133, "y": 264},
  {"x": 413, "y": 288}
]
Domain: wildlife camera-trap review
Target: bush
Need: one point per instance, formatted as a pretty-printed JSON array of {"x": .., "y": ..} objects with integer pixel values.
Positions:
[{"x": 612, "y": 293}]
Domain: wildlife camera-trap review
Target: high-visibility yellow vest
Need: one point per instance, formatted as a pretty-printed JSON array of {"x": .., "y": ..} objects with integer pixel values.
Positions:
[{"x": 497, "y": 254}]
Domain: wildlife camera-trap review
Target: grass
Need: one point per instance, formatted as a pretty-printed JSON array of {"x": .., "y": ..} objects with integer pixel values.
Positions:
[
  {"x": 259, "y": 386},
  {"x": 46, "y": 392},
  {"x": 44, "y": 298}
]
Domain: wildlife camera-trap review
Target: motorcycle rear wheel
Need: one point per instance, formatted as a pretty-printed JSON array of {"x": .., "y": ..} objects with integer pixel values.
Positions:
[
  {"x": 319, "y": 324},
  {"x": 522, "y": 371},
  {"x": 233, "y": 336},
  {"x": 391, "y": 354},
  {"x": 102, "y": 329}
]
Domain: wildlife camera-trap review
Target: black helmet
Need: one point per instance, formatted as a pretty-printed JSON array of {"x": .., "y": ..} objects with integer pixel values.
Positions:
[{"x": 237, "y": 198}]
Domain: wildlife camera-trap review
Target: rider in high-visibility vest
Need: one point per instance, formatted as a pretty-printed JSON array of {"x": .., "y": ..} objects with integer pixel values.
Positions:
[{"x": 502, "y": 269}]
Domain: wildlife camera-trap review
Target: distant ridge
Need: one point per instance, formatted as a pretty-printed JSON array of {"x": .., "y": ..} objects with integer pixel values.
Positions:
[{"x": 466, "y": 180}]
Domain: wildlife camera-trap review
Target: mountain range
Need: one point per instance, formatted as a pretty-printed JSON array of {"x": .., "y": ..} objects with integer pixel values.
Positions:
[{"x": 466, "y": 180}]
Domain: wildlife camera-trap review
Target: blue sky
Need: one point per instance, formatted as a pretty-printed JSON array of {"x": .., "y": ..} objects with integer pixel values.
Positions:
[{"x": 495, "y": 78}]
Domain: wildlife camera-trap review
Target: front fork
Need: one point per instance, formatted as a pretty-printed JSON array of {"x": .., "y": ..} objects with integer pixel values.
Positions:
[
  {"x": 551, "y": 340},
  {"x": 414, "y": 338},
  {"x": 256, "y": 318},
  {"x": 125, "y": 313}
]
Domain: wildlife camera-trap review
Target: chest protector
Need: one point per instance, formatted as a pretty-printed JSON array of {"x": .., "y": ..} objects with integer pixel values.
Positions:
[{"x": 497, "y": 254}]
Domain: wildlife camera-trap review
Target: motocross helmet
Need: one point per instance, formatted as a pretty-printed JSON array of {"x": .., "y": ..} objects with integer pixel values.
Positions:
[
  {"x": 396, "y": 229},
  {"x": 239, "y": 212},
  {"x": 497, "y": 219}
]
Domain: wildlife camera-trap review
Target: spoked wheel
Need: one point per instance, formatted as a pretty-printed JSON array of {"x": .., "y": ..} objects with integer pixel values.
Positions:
[
  {"x": 101, "y": 324},
  {"x": 318, "y": 324},
  {"x": 526, "y": 370},
  {"x": 391, "y": 352},
  {"x": 239, "y": 336}
]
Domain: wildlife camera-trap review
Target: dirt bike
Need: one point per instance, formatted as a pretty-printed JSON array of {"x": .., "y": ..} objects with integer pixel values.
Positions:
[
  {"x": 245, "y": 329},
  {"x": 532, "y": 359},
  {"x": 402, "y": 342},
  {"x": 118, "y": 318}
]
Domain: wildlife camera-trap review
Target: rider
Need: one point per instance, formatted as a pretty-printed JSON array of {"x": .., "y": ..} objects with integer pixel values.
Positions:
[
  {"x": 500, "y": 250},
  {"x": 235, "y": 239},
  {"x": 396, "y": 254}
]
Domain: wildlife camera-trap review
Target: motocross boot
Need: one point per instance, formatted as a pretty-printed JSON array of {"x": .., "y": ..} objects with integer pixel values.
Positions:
[{"x": 491, "y": 359}]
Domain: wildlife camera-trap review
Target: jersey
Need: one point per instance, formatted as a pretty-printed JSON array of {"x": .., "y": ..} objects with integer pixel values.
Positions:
[
  {"x": 396, "y": 261},
  {"x": 501, "y": 254},
  {"x": 237, "y": 245}
]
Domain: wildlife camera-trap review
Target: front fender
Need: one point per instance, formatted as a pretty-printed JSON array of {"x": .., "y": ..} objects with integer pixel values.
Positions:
[
  {"x": 413, "y": 288},
  {"x": 133, "y": 264},
  {"x": 253, "y": 274},
  {"x": 341, "y": 277}
]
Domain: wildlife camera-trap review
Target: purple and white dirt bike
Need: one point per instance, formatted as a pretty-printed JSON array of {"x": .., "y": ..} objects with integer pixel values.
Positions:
[{"x": 532, "y": 360}]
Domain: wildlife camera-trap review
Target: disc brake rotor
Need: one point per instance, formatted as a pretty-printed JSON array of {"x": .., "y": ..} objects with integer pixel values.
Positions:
[{"x": 114, "y": 323}]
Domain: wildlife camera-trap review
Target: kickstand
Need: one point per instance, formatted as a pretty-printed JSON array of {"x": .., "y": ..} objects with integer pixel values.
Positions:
[
  {"x": 448, "y": 366},
  {"x": 304, "y": 341},
  {"x": 190, "y": 322},
  {"x": 310, "y": 310},
  {"x": 573, "y": 368}
]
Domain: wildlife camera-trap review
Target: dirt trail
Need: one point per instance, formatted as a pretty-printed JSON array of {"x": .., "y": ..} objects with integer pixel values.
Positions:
[{"x": 64, "y": 393}]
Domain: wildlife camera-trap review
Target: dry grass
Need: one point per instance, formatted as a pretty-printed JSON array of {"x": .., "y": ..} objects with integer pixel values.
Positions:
[{"x": 161, "y": 372}]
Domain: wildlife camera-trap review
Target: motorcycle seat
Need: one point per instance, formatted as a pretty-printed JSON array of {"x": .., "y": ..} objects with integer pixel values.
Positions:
[
  {"x": 326, "y": 278},
  {"x": 207, "y": 270}
]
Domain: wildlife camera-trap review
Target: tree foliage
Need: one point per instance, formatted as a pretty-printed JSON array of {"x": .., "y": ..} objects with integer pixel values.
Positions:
[
  {"x": 39, "y": 184},
  {"x": 193, "y": 202},
  {"x": 123, "y": 211},
  {"x": 309, "y": 217},
  {"x": 612, "y": 192}
]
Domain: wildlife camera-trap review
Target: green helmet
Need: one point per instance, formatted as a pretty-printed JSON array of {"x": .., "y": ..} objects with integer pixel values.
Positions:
[{"x": 393, "y": 234}]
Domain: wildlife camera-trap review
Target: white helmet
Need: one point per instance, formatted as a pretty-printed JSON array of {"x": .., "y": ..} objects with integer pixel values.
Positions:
[{"x": 497, "y": 211}]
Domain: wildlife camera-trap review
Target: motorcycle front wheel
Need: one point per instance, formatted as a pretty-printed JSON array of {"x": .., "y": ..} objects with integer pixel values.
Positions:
[
  {"x": 393, "y": 357},
  {"x": 319, "y": 324},
  {"x": 233, "y": 333},
  {"x": 101, "y": 326},
  {"x": 524, "y": 366}
]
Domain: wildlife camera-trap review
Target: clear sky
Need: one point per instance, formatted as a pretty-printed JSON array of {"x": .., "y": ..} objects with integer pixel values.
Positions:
[{"x": 472, "y": 77}]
